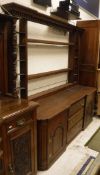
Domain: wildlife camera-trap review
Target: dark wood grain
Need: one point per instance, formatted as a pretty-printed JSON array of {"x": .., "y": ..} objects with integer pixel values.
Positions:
[{"x": 89, "y": 59}]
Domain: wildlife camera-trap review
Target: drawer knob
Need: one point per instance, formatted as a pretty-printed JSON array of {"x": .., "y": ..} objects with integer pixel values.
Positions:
[
  {"x": 21, "y": 122},
  {"x": 10, "y": 127}
]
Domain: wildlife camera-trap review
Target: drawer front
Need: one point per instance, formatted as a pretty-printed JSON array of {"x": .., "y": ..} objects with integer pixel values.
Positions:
[
  {"x": 20, "y": 121},
  {"x": 75, "y": 118},
  {"x": 75, "y": 107},
  {"x": 74, "y": 131}
]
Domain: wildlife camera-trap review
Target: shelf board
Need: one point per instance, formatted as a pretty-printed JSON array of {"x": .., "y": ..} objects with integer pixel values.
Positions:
[
  {"x": 44, "y": 74},
  {"x": 38, "y": 41},
  {"x": 20, "y": 32},
  {"x": 50, "y": 91},
  {"x": 21, "y": 60}
]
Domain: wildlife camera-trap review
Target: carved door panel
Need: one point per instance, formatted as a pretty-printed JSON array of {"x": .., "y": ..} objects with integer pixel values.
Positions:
[
  {"x": 57, "y": 139},
  {"x": 22, "y": 156}
]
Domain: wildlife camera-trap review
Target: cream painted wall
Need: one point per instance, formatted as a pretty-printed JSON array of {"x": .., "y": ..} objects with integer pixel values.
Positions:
[{"x": 43, "y": 58}]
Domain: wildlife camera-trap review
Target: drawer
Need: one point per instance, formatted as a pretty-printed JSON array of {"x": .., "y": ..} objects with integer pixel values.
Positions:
[
  {"x": 75, "y": 118},
  {"x": 20, "y": 121},
  {"x": 76, "y": 106},
  {"x": 74, "y": 131}
]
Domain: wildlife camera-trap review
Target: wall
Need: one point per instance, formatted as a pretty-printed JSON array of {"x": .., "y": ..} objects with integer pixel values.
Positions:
[{"x": 43, "y": 58}]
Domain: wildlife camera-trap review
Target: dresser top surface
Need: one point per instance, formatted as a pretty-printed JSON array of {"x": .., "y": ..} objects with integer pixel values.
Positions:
[
  {"x": 11, "y": 107},
  {"x": 60, "y": 101}
]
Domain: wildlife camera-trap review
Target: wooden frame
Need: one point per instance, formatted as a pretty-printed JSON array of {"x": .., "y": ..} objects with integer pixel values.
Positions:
[{"x": 27, "y": 14}]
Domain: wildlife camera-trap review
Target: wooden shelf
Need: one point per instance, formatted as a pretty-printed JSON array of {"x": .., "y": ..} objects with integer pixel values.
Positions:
[
  {"x": 44, "y": 74},
  {"x": 49, "y": 42},
  {"x": 50, "y": 91},
  {"x": 20, "y": 32}
]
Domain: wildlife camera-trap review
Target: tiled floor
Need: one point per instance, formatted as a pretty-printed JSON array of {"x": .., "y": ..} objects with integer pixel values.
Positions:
[{"x": 75, "y": 152}]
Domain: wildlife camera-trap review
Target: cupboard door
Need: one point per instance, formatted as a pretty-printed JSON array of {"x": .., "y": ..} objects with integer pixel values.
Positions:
[
  {"x": 22, "y": 155},
  {"x": 57, "y": 140}
]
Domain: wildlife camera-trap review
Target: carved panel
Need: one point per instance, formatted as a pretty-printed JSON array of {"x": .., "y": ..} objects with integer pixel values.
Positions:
[
  {"x": 56, "y": 141},
  {"x": 57, "y": 135},
  {"x": 21, "y": 154}
]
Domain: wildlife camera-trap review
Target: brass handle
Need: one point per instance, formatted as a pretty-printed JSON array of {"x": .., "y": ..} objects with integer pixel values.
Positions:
[
  {"x": 11, "y": 171},
  {"x": 21, "y": 122}
]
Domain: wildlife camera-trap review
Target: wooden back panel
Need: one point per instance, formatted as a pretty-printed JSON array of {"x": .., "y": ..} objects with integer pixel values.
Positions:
[{"x": 89, "y": 54}]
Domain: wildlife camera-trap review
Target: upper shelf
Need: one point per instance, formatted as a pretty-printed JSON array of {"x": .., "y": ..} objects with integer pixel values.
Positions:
[
  {"x": 44, "y": 74},
  {"x": 57, "y": 43},
  {"x": 35, "y": 16}
]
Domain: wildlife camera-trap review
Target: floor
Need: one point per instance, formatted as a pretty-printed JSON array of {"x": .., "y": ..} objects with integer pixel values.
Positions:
[{"x": 75, "y": 152}]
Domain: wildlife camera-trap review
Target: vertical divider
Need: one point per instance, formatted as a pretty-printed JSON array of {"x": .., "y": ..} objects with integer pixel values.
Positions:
[{"x": 23, "y": 58}]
